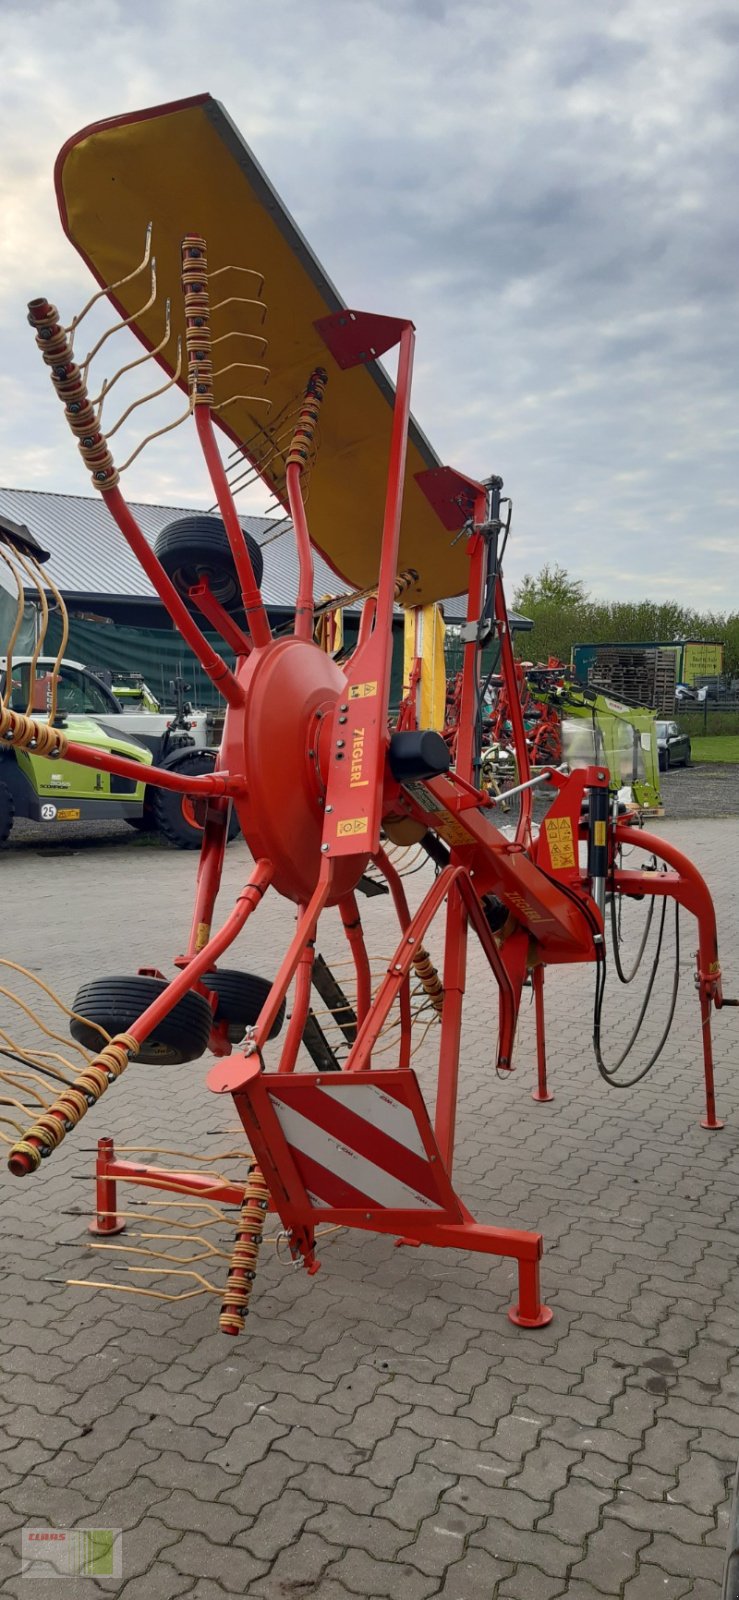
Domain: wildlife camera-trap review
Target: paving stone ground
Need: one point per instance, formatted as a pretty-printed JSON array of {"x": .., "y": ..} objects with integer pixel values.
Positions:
[{"x": 382, "y": 1430}]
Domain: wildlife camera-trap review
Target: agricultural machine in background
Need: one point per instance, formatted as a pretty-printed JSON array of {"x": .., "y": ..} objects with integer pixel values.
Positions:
[
  {"x": 563, "y": 718},
  {"x": 325, "y": 788},
  {"x": 79, "y": 702}
]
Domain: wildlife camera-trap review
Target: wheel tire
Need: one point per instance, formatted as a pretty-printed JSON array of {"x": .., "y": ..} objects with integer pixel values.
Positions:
[
  {"x": 7, "y": 813},
  {"x": 116, "y": 1003},
  {"x": 194, "y": 548},
  {"x": 179, "y": 817},
  {"x": 241, "y": 996}
]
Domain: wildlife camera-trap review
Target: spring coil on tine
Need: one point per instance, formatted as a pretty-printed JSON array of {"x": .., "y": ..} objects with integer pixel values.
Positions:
[
  {"x": 71, "y": 387},
  {"x": 305, "y": 428},
  {"x": 428, "y": 976},
  {"x": 198, "y": 337},
  {"x": 24, "y": 733},
  {"x": 71, "y": 1105},
  {"x": 242, "y": 1268},
  {"x": 405, "y": 581}
]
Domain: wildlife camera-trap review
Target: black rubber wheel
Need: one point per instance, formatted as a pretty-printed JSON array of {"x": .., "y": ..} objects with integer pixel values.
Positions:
[
  {"x": 241, "y": 996},
  {"x": 7, "y": 813},
  {"x": 730, "y": 1587},
  {"x": 194, "y": 548},
  {"x": 116, "y": 1003},
  {"x": 180, "y": 817}
]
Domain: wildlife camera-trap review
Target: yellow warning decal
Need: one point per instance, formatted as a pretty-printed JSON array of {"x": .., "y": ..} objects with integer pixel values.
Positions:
[
  {"x": 452, "y": 830},
  {"x": 351, "y": 826},
  {"x": 362, "y": 691},
  {"x": 71, "y": 814},
  {"x": 561, "y": 841},
  {"x": 599, "y": 833}
]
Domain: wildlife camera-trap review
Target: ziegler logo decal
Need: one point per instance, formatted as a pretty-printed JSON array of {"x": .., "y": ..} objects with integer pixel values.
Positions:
[
  {"x": 356, "y": 781},
  {"x": 527, "y": 911}
]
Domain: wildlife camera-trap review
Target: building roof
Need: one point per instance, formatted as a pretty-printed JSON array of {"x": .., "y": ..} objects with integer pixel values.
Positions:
[
  {"x": 92, "y": 565},
  {"x": 90, "y": 557}
]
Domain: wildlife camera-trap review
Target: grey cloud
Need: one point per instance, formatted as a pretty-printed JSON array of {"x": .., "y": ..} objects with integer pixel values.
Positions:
[{"x": 550, "y": 192}]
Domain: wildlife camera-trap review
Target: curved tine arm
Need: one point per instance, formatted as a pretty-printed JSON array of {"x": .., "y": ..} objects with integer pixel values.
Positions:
[
  {"x": 239, "y": 300},
  {"x": 149, "y": 355},
  {"x": 145, "y": 398},
  {"x": 236, "y": 333},
  {"x": 250, "y": 272},
  {"x": 124, "y": 323},
  {"x": 110, "y": 287}
]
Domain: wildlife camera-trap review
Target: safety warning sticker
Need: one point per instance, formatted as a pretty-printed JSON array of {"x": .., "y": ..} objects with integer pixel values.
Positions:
[
  {"x": 351, "y": 825},
  {"x": 362, "y": 691},
  {"x": 561, "y": 841}
]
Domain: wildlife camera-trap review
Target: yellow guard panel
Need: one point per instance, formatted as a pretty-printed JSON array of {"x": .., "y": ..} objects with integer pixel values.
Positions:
[{"x": 185, "y": 167}]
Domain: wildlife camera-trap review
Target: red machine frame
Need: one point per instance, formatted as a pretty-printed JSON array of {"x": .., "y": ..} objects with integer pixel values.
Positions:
[{"x": 312, "y": 805}]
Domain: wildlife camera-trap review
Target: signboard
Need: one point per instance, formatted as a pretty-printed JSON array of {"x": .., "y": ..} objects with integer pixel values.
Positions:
[{"x": 702, "y": 660}]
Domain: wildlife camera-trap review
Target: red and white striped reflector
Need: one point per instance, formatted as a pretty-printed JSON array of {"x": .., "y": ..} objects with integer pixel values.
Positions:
[{"x": 359, "y": 1144}]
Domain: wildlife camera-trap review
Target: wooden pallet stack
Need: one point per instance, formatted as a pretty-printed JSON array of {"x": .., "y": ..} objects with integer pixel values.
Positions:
[{"x": 644, "y": 677}]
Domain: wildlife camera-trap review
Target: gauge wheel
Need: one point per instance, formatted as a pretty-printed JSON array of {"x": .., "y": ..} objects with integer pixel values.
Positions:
[
  {"x": 115, "y": 1004},
  {"x": 241, "y": 996}
]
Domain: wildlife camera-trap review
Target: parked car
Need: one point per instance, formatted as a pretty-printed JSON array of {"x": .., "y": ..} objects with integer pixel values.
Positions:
[{"x": 673, "y": 747}]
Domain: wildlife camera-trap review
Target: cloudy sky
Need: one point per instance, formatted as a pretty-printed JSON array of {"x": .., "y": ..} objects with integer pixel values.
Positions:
[{"x": 548, "y": 189}]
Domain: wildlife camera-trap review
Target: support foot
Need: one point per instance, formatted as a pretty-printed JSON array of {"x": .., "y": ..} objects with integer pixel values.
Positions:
[
  {"x": 540, "y": 1320},
  {"x": 106, "y": 1225}
]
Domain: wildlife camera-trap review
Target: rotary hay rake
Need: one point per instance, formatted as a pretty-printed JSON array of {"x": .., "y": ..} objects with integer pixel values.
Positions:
[{"x": 324, "y": 786}]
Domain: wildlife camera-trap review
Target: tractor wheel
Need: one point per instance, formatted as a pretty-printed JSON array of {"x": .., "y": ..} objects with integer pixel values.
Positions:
[
  {"x": 7, "y": 812},
  {"x": 116, "y": 1003},
  {"x": 181, "y": 817},
  {"x": 241, "y": 996},
  {"x": 196, "y": 548}
]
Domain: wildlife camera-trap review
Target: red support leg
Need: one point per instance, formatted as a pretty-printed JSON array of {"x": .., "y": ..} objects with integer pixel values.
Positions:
[
  {"x": 106, "y": 1220},
  {"x": 529, "y": 1313},
  {"x": 710, "y": 1120},
  {"x": 542, "y": 1091}
]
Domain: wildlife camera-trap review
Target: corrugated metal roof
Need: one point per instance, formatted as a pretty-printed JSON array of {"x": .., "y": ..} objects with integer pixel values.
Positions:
[{"x": 90, "y": 557}]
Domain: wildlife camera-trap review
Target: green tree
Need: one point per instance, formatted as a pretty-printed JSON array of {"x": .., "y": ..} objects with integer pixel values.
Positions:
[{"x": 551, "y": 586}]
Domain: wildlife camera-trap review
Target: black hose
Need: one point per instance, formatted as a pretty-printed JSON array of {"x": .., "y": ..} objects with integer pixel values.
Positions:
[
  {"x": 609, "y": 1073},
  {"x": 616, "y": 937}
]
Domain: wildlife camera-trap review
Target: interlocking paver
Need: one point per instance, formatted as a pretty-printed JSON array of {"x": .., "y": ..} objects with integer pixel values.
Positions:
[{"x": 383, "y": 1430}]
